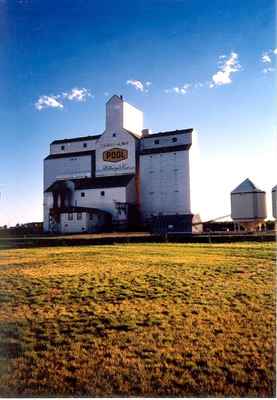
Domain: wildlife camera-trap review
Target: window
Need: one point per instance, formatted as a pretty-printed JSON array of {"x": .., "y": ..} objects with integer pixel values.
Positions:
[
  {"x": 91, "y": 217},
  {"x": 62, "y": 147},
  {"x": 174, "y": 139},
  {"x": 85, "y": 145},
  {"x": 114, "y": 134},
  {"x": 82, "y": 194},
  {"x": 70, "y": 216},
  {"x": 156, "y": 141},
  {"x": 102, "y": 193},
  {"x": 79, "y": 216}
]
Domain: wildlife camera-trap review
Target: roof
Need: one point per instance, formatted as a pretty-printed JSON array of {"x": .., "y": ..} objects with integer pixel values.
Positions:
[
  {"x": 247, "y": 186},
  {"x": 87, "y": 138},
  {"x": 274, "y": 189},
  {"x": 104, "y": 182},
  {"x": 95, "y": 137},
  {"x": 166, "y": 149},
  {"x": 73, "y": 209},
  {"x": 167, "y": 133},
  {"x": 74, "y": 154},
  {"x": 76, "y": 139}
]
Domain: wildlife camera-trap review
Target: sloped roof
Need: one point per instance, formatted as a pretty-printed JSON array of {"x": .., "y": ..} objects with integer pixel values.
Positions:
[
  {"x": 274, "y": 189},
  {"x": 72, "y": 154},
  {"x": 247, "y": 186},
  {"x": 76, "y": 139},
  {"x": 104, "y": 182},
  {"x": 166, "y": 133}
]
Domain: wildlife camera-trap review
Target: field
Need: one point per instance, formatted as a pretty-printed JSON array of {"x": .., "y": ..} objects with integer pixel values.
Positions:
[{"x": 138, "y": 320}]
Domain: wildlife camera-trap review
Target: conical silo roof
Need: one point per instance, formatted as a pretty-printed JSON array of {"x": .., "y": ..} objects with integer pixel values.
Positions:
[{"x": 247, "y": 186}]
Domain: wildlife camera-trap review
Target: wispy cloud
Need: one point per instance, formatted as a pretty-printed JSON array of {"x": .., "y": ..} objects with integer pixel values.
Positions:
[
  {"x": 197, "y": 85},
  {"x": 227, "y": 66},
  {"x": 179, "y": 89},
  {"x": 267, "y": 70},
  {"x": 267, "y": 59},
  {"x": 139, "y": 85},
  {"x": 57, "y": 101},
  {"x": 78, "y": 94},
  {"x": 48, "y": 102}
]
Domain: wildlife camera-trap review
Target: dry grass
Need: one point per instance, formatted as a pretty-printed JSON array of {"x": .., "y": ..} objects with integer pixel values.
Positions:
[{"x": 145, "y": 320}]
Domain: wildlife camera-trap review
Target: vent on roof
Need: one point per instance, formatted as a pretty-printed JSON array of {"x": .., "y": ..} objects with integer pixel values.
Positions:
[{"x": 146, "y": 132}]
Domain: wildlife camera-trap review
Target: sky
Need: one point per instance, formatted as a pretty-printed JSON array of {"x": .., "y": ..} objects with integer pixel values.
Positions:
[{"x": 184, "y": 63}]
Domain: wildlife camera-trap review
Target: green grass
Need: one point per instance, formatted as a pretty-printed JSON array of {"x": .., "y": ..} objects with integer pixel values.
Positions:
[{"x": 145, "y": 320}]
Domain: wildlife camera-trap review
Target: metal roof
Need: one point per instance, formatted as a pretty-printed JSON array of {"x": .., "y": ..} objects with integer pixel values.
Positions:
[
  {"x": 72, "y": 154},
  {"x": 95, "y": 137},
  {"x": 247, "y": 186},
  {"x": 76, "y": 139},
  {"x": 104, "y": 182},
  {"x": 166, "y": 133}
]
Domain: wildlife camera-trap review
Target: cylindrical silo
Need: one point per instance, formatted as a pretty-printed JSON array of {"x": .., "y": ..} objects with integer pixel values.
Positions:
[
  {"x": 248, "y": 206},
  {"x": 274, "y": 202}
]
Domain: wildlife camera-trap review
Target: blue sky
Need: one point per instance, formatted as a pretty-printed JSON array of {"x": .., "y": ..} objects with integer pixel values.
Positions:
[{"x": 189, "y": 63}]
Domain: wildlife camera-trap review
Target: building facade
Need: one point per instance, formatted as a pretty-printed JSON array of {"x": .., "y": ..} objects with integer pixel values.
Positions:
[{"x": 123, "y": 178}]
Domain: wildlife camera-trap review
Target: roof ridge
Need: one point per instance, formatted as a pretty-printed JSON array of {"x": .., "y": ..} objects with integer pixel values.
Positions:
[
  {"x": 77, "y": 139},
  {"x": 246, "y": 186}
]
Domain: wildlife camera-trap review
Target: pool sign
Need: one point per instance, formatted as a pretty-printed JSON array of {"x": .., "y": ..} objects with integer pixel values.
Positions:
[{"x": 115, "y": 155}]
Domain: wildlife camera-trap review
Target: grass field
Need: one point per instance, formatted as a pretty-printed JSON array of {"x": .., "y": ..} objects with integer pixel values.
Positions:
[{"x": 148, "y": 319}]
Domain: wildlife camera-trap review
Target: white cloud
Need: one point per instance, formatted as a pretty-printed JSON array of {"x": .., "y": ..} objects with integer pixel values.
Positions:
[
  {"x": 138, "y": 85},
  {"x": 148, "y": 83},
  {"x": 179, "y": 89},
  {"x": 266, "y": 58},
  {"x": 56, "y": 101},
  {"x": 226, "y": 68},
  {"x": 48, "y": 102},
  {"x": 268, "y": 69},
  {"x": 78, "y": 94},
  {"x": 198, "y": 85}
]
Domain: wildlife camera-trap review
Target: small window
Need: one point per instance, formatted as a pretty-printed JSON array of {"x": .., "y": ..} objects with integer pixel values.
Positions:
[
  {"x": 62, "y": 147},
  {"x": 85, "y": 145},
  {"x": 91, "y": 217},
  {"x": 82, "y": 194},
  {"x": 174, "y": 139},
  {"x": 157, "y": 141},
  {"x": 114, "y": 134},
  {"x": 102, "y": 193},
  {"x": 79, "y": 216},
  {"x": 70, "y": 216}
]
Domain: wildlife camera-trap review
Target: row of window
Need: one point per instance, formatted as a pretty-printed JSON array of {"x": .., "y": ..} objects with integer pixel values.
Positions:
[
  {"x": 152, "y": 171},
  {"x": 70, "y": 216},
  {"x": 157, "y": 141},
  {"x": 102, "y": 193},
  {"x": 84, "y": 146},
  {"x": 79, "y": 216}
]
